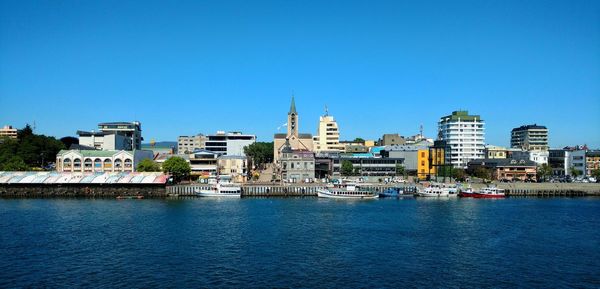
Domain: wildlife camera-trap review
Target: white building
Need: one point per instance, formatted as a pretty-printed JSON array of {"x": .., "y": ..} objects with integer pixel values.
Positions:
[
  {"x": 575, "y": 159},
  {"x": 231, "y": 143},
  {"x": 100, "y": 160},
  {"x": 104, "y": 140},
  {"x": 328, "y": 135},
  {"x": 133, "y": 130},
  {"x": 8, "y": 131},
  {"x": 465, "y": 137},
  {"x": 539, "y": 157}
]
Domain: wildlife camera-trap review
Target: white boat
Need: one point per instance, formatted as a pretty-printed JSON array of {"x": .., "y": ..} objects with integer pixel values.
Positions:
[
  {"x": 434, "y": 191},
  {"x": 346, "y": 191},
  {"x": 221, "y": 190}
]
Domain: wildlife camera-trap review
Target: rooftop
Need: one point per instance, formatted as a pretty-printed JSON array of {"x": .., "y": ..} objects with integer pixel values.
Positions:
[
  {"x": 461, "y": 115},
  {"x": 529, "y": 126}
]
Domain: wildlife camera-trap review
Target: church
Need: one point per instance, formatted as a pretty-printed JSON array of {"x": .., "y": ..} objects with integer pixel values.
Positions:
[{"x": 297, "y": 141}]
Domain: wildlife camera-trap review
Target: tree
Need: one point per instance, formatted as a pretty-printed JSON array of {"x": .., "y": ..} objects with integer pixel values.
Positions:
[
  {"x": 482, "y": 173},
  {"x": 459, "y": 174},
  {"x": 399, "y": 169},
  {"x": 347, "y": 168},
  {"x": 148, "y": 165},
  {"x": 574, "y": 172},
  {"x": 544, "y": 171},
  {"x": 260, "y": 153},
  {"x": 34, "y": 150},
  {"x": 15, "y": 164},
  {"x": 596, "y": 174},
  {"x": 359, "y": 140},
  {"x": 177, "y": 167}
]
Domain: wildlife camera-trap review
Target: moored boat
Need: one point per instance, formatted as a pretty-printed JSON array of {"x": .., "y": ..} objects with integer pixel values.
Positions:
[
  {"x": 346, "y": 191},
  {"x": 489, "y": 193},
  {"x": 433, "y": 191},
  {"x": 221, "y": 190},
  {"x": 392, "y": 193}
]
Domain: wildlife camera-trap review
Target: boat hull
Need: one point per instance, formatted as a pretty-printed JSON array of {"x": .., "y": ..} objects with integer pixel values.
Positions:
[
  {"x": 489, "y": 196},
  {"x": 212, "y": 194},
  {"x": 330, "y": 195}
]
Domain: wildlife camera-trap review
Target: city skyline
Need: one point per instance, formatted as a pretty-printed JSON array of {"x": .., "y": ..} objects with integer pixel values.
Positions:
[{"x": 379, "y": 68}]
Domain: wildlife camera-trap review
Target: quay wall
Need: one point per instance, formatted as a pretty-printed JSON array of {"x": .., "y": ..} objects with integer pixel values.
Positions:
[{"x": 81, "y": 190}]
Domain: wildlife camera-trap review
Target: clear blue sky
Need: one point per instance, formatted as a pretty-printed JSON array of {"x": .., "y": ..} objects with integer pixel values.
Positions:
[{"x": 187, "y": 67}]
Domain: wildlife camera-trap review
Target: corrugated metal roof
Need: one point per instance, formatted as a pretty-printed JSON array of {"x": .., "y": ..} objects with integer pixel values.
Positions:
[{"x": 81, "y": 178}]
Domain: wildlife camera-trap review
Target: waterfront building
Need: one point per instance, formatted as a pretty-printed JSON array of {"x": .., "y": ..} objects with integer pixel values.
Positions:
[
  {"x": 100, "y": 160},
  {"x": 530, "y": 138},
  {"x": 297, "y": 141},
  {"x": 576, "y": 160},
  {"x": 8, "y": 131},
  {"x": 366, "y": 165},
  {"x": 538, "y": 157},
  {"x": 234, "y": 166},
  {"x": 109, "y": 141},
  {"x": 328, "y": 135},
  {"x": 557, "y": 160},
  {"x": 495, "y": 152},
  {"x": 506, "y": 169},
  {"x": 296, "y": 165},
  {"x": 592, "y": 161},
  {"x": 231, "y": 143},
  {"x": 187, "y": 144},
  {"x": 422, "y": 159},
  {"x": 132, "y": 130},
  {"x": 464, "y": 135},
  {"x": 204, "y": 163}
]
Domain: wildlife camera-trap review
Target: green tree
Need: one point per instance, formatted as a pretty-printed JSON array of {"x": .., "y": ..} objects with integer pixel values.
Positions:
[
  {"x": 482, "y": 173},
  {"x": 360, "y": 140},
  {"x": 15, "y": 164},
  {"x": 574, "y": 172},
  {"x": 260, "y": 153},
  {"x": 596, "y": 174},
  {"x": 177, "y": 167},
  {"x": 34, "y": 150},
  {"x": 148, "y": 165},
  {"x": 399, "y": 170},
  {"x": 459, "y": 174},
  {"x": 544, "y": 171},
  {"x": 347, "y": 168}
]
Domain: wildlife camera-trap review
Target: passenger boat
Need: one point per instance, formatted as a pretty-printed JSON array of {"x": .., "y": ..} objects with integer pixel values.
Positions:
[
  {"x": 393, "y": 193},
  {"x": 346, "y": 191},
  {"x": 489, "y": 193},
  {"x": 466, "y": 193},
  {"x": 221, "y": 190},
  {"x": 433, "y": 191}
]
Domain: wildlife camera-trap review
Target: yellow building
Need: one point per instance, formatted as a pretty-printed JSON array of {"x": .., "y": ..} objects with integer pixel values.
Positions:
[
  {"x": 328, "y": 135},
  {"x": 369, "y": 143},
  {"x": 495, "y": 152},
  {"x": 429, "y": 159}
]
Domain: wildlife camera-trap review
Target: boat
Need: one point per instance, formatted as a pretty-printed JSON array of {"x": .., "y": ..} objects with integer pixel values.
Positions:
[
  {"x": 393, "y": 193},
  {"x": 433, "y": 191},
  {"x": 221, "y": 190},
  {"x": 489, "y": 193},
  {"x": 346, "y": 191},
  {"x": 466, "y": 193}
]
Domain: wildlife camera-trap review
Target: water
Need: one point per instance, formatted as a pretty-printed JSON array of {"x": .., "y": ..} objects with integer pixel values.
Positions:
[{"x": 300, "y": 243}]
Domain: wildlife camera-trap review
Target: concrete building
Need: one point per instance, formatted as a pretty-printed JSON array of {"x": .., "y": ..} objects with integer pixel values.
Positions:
[
  {"x": 328, "y": 135},
  {"x": 367, "y": 165},
  {"x": 296, "y": 165},
  {"x": 234, "y": 166},
  {"x": 557, "y": 160},
  {"x": 109, "y": 141},
  {"x": 576, "y": 160},
  {"x": 298, "y": 141},
  {"x": 592, "y": 161},
  {"x": 204, "y": 163},
  {"x": 538, "y": 157},
  {"x": 188, "y": 144},
  {"x": 507, "y": 169},
  {"x": 133, "y": 130},
  {"x": 465, "y": 137},
  {"x": 391, "y": 139},
  {"x": 230, "y": 144},
  {"x": 8, "y": 131},
  {"x": 530, "y": 138},
  {"x": 495, "y": 152},
  {"x": 100, "y": 160}
]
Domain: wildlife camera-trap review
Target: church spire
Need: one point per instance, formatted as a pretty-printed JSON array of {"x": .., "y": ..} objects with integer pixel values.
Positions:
[{"x": 293, "y": 107}]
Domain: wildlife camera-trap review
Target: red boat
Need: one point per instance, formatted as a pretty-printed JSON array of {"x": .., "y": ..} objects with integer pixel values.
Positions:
[
  {"x": 489, "y": 193},
  {"x": 467, "y": 193}
]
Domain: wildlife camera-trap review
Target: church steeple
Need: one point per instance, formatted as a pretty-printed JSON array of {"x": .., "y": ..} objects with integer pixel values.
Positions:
[{"x": 293, "y": 107}]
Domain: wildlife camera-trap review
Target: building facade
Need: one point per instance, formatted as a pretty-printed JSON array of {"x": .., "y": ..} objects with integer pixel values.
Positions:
[
  {"x": 367, "y": 165},
  {"x": 391, "y": 139},
  {"x": 230, "y": 144},
  {"x": 234, "y": 166},
  {"x": 328, "y": 135},
  {"x": 105, "y": 140},
  {"x": 592, "y": 161},
  {"x": 100, "y": 160},
  {"x": 576, "y": 161},
  {"x": 507, "y": 169},
  {"x": 296, "y": 165},
  {"x": 188, "y": 144},
  {"x": 465, "y": 137},
  {"x": 495, "y": 152},
  {"x": 297, "y": 141},
  {"x": 538, "y": 157},
  {"x": 133, "y": 130},
  {"x": 530, "y": 138},
  {"x": 8, "y": 131}
]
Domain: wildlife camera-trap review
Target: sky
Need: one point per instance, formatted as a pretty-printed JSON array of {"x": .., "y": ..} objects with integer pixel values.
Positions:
[{"x": 188, "y": 67}]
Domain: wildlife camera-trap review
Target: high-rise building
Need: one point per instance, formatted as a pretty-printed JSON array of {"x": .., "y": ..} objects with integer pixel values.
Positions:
[
  {"x": 8, "y": 131},
  {"x": 328, "y": 135},
  {"x": 133, "y": 130},
  {"x": 188, "y": 144},
  {"x": 530, "y": 138},
  {"x": 465, "y": 137}
]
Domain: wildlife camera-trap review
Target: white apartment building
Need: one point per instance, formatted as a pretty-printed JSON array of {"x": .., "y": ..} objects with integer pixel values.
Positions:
[
  {"x": 328, "y": 135},
  {"x": 8, "y": 131},
  {"x": 465, "y": 137}
]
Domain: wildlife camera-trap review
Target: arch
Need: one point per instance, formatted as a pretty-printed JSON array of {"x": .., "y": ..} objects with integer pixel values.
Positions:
[
  {"x": 97, "y": 164},
  {"x": 67, "y": 163},
  {"x": 128, "y": 164},
  {"x": 108, "y": 164},
  {"x": 118, "y": 164},
  {"x": 77, "y": 163},
  {"x": 87, "y": 163}
]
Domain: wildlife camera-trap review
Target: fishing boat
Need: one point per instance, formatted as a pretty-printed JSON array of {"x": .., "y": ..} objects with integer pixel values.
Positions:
[
  {"x": 346, "y": 191},
  {"x": 221, "y": 190},
  {"x": 489, "y": 193},
  {"x": 434, "y": 190}
]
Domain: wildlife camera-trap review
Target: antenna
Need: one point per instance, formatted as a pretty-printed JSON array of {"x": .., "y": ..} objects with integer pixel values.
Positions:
[
  {"x": 34, "y": 126},
  {"x": 421, "y": 130},
  {"x": 326, "y": 111}
]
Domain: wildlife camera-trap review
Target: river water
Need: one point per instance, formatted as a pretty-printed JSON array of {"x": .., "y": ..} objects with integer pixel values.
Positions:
[{"x": 303, "y": 242}]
